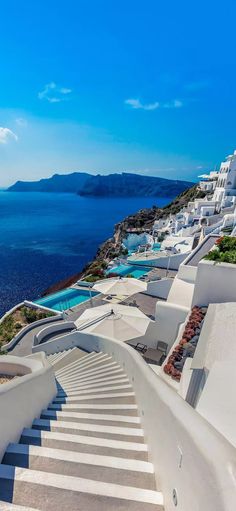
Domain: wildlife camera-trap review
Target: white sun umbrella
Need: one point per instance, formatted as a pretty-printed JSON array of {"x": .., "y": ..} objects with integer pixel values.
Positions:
[
  {"x": 121, "y": 286},
  {"x": 120, "y": 322}
]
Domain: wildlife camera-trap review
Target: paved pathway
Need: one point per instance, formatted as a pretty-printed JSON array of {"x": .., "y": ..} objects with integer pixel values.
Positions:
[{"x": 24, "y": 346}]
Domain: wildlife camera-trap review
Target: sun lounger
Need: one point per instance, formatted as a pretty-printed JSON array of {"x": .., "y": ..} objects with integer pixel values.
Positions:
[{"x": 114, "y": 298}]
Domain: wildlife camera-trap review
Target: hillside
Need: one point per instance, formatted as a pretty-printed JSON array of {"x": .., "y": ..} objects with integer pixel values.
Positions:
[
  {"x": 58, "y": 183},
  {"x": 132, "y": 185},
  {"x": 113, "y": 185},
  {"x": 142, "y": 220}
]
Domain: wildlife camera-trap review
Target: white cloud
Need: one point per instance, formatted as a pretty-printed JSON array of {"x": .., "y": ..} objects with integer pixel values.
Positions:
[
  {"x": 176, "y": 103},
  {"x": 21, "y": 122},
  {"x": 65, "y": 90},
  {"x": 53, "y": 93},
  {"x": 136, "y": 104},
  {"x": 6, "y": 135}
]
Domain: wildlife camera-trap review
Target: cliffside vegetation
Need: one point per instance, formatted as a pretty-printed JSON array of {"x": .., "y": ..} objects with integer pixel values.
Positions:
[
  {"x": 225, "y": 252},
  {"x": 19, "y": 318}
]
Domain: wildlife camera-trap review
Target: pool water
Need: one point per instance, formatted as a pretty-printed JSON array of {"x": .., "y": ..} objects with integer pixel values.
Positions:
[
  {"x": 156, "y": 247},
  {"x": 125, "y": 269},
  {"x": 66, "y": 299}
]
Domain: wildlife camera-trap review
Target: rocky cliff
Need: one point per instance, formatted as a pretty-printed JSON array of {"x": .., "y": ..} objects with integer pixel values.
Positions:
[
  {"x": 112, "y": 185},
  {"x": 141, "y": 221}
]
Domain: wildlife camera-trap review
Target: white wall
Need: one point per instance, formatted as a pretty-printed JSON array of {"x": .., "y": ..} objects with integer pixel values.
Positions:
[
  {"x": 22, "y": 399},
  {"x": 169, "y": 317},
  {"x": 181, "y": 292},
  {"x": 216, "y": 402},
  {"x": 51, "y": 329},
  {"x": 159, "y": 288},
  {"x": 187, "y": 272},
  {"x": 215, "y": 282},
  {"x": 187, "y": 452}
]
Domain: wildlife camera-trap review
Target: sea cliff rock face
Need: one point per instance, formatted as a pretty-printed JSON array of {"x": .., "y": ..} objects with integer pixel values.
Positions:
[
  {"x": 113, "y": 185},
  {"x": 142, "y": 221},
  {"x": 58, "y": 183},
  {"x": 132, "y": 185}
]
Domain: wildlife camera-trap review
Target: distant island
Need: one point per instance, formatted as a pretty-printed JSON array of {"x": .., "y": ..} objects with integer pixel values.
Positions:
[{"x": 111, "y": 185}]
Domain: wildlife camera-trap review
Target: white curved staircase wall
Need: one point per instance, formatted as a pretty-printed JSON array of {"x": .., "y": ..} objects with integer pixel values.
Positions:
[
  {"x": 186, "y": 451},
  {"x": 22, "y": 399}
]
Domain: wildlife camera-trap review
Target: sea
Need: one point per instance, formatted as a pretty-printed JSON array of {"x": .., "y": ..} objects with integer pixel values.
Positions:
[{"x": 47, "y": 237}]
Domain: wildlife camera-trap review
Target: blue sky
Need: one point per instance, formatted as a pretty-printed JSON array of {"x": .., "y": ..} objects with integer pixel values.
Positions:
[{"x": 106, "y": 86}]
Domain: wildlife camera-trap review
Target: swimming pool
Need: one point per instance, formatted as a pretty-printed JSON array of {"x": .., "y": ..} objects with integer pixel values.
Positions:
[
  {"x": 125, "y": 269},
  {"x": 156, "y": 247},
  {"x": 66, "y": 299}
]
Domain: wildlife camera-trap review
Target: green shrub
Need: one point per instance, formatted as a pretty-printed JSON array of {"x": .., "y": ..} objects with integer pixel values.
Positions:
[
  {"x": 225, "y": 251},
  {"x": 18, "y": 326},
  {"x": 92, "y": 278}
]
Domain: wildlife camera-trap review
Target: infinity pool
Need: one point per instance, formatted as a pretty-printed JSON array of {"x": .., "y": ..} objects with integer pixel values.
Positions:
[
  {"x": 156, "y": 247},
  {"x": 125, "y": 269},
  {"x": 66, "y": 299}
]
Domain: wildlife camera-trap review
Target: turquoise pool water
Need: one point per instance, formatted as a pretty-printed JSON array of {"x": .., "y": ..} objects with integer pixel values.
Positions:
[
  {"x": 124, "y": 269},
  {"x": 65, "y": 299},
  {"x": 156, "y": 247}
]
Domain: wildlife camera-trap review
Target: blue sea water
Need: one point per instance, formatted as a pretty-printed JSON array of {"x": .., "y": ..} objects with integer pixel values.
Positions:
[{"x": 48, "y": 237}]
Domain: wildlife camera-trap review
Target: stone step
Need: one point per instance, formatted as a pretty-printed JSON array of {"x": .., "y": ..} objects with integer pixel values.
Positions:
[
  {"x": 93, "y": 445},
  {"x": 71, "y": 356},
  {"x": 47, "y": 491},
  {"x": 106, "y": 398},
  {"x": 56, "y": 356},
  {"x": 98, "y": 379},
  {"x": 95, "y": 418},
  {"x": 113, "y": 409},
  {"x": 82, "y": 365},
  {"x": 96, "y": 369},
  {"x": 80, "y": 361},
  {"x": 83, "y": 386},
  {"x": 94, "y": 374},
  {"x": 51, "y": 357},
  {"x": 109, "y": 469},
  {"x": 115, "y": 432},
  {"x": 79, "y": 392},
  {"x": 61, "y": 356}
]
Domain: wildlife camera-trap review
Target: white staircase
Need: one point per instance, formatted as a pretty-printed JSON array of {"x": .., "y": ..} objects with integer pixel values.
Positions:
[{"x": 87, "y": 450}]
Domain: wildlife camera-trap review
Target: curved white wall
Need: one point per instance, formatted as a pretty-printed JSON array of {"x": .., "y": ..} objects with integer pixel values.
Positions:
[
  {"x": 28, "y": 328},
  {"x": 22, "y": 399},
  {"x": 187, "y": 452},
  {"x": 52, "y": 329}
]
